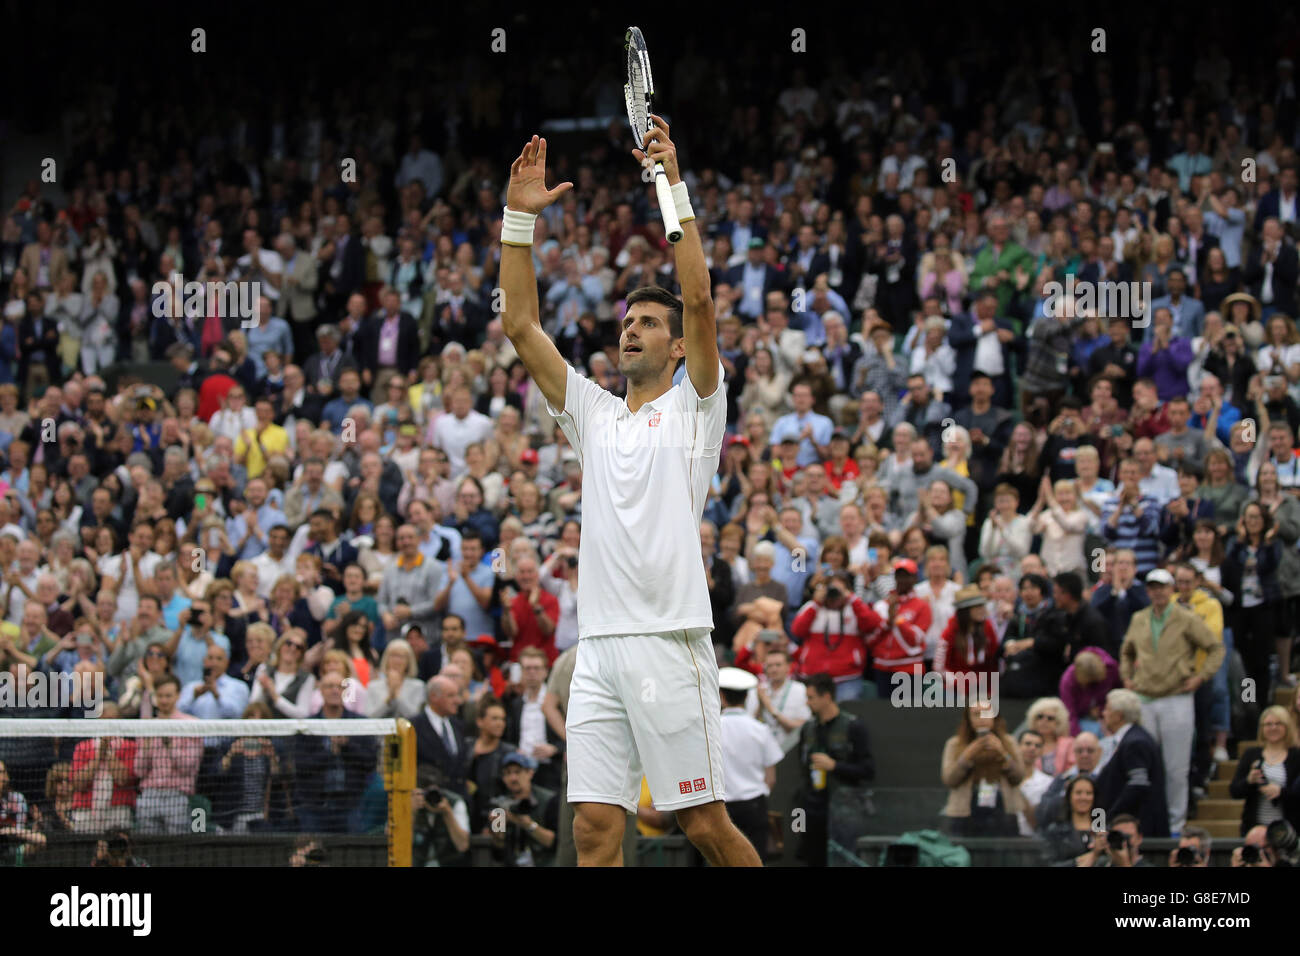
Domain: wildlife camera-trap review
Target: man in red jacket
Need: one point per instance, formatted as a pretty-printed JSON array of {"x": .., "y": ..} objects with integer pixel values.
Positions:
[
  {"x": 216, "y": 383},
  {"x": 832, "y": 630},
  {"x": 898, "y": 646}
]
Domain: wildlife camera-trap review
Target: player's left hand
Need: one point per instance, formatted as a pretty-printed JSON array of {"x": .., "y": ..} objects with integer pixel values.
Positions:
[
  {"x": 660, "y": 149},
  {"x": 527, "y": 190}
]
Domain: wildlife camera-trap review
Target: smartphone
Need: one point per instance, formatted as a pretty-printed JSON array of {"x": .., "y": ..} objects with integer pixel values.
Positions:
[
  {"x": 1250, "y": 854},
  {"x": 1116, "y": 840},
  {"x": 1186, "y": 856},
  {"x": 200, "y": 501},
  {"x": 872, "y": 555},
  {"x": 983, "y": 731}
]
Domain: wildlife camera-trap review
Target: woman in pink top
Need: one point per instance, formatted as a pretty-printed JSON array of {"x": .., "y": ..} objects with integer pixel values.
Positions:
[
  {"x": 945, "y": 279},
  {"x": 1084, "y": 687}
]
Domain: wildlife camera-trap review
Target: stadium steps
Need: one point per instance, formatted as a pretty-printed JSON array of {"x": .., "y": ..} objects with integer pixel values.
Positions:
[
  {"x": 1219, "y": 809},
  {"x": 1227, "y": 829},
  {"x": 1220, "y": 813}
]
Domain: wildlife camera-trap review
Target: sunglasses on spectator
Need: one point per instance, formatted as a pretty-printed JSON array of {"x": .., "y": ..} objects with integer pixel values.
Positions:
[
  {"x": 301, "y": 647},
  {"x": 155, "y": 653}
]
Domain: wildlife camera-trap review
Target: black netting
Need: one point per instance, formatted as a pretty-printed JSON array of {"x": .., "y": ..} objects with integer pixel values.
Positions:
[{"x": 191, "y": 800}]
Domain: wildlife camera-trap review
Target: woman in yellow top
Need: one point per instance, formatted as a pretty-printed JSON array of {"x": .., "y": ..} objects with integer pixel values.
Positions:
[{"x": 956, "y": 456}]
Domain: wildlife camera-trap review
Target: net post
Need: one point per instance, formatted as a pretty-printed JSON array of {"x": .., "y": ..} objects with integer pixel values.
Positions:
[{"x": 399, "y": 781}]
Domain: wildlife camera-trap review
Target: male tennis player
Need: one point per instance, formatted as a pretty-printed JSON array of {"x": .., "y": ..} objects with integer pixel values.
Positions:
[{"x": 644, "y": 697}]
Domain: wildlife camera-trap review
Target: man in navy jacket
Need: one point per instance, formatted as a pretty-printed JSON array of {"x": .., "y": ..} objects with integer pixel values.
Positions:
[
  {"x": 964, "y": 334},
  {"x": 1132, "y": 780}
]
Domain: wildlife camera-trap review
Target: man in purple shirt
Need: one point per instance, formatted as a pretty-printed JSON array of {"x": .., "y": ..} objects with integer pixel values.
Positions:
[
  {"x": 393, "y": 341},
  {"x": 1165, "y": 359}
]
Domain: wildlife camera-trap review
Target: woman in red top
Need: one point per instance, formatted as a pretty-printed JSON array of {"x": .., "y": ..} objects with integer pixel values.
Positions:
[{"x": 969, "y": 644}]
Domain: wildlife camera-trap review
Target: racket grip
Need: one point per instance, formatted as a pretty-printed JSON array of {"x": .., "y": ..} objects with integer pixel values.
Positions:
[{"x": 667, "y": 207}]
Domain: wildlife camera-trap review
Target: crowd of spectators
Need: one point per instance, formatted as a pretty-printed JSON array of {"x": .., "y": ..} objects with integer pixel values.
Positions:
[{"x": 353, "y": 501}]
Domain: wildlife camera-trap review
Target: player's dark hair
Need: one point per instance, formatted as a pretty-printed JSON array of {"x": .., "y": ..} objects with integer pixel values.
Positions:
[{"x": 661, "y": 296}]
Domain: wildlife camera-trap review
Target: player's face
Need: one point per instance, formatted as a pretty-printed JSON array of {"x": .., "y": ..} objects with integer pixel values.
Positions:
[{"x": 646, "y": 346}]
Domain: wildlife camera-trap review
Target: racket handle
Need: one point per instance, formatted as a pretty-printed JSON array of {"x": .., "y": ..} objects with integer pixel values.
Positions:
[{"x": 667, "y": 207}]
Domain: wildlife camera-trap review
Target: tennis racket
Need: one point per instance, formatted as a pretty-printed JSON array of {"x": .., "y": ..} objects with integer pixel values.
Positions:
[{"x": 638, "y": 91}]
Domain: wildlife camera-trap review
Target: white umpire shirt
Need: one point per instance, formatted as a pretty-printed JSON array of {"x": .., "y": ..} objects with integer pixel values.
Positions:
[
  {"x": 748, "y": 749},
  {"x": 645, "y": 481}
]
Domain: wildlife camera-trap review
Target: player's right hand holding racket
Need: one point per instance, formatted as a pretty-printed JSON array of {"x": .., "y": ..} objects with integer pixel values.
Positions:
[{"x": 527, "y": 191}]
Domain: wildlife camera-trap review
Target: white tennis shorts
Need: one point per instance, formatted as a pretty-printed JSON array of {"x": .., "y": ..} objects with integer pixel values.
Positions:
[{"x": 645, "y": 704}]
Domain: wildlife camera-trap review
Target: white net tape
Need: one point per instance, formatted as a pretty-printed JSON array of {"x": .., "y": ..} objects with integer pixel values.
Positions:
[{"x": 196, "y": 728}]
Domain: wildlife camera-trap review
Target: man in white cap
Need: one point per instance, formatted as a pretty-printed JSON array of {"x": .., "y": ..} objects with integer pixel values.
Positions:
[
  {"x": 750, "y": 754},
  {"x": 1158, "y": 661}
]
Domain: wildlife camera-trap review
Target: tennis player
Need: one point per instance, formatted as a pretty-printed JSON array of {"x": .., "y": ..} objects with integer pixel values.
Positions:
[{"x": 644, "y": 698}]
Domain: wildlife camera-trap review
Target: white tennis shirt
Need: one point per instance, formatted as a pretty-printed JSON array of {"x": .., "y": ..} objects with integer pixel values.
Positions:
[{"x": 645, "y": 482}]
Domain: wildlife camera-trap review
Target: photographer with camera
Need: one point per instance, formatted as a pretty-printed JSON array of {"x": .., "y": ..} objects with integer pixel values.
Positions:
[
  {"x": 559, "y": 575},
  {"x": 1118, "y": 846},
  {"x": 524, "y": 819},
  {"x": 831, "y": 630},
  {"x": 1255, "y": 849},
  {"x": 441, "y": 823},
  {"x": 115, "y": 850},
  {"x": 1193, "y": 848}
]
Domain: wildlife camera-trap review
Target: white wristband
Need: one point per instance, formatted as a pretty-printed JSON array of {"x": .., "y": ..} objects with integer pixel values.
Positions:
[
  {"x": 682, "y": 200},
  {"x": 517, "y": 227}
]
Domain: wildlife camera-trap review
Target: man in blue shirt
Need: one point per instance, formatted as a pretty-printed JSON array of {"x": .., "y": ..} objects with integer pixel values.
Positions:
[
  {"x": 217, "y": 695},
  {"x": 796, "y": 557},
  {"x": 190, "y": 642},
  {"x": 171, "y": 599},
  {"x": 248, "y": 530},
  {"x": 349, "y": 394},
  {"x": 812, "y": 431},
  {"x": 271, "y": 334},
  {"x": 468, "y": 592},
  {"x": 1190, "y": 162},
  {"x": 437, "y": 541},
  {"x": 1227, "y": 222},
  {"x": 1211, "y": 412}
]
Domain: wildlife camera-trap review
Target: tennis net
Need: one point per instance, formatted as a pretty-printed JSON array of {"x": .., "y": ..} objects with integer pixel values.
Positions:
[{"x": 205, "y": 792}]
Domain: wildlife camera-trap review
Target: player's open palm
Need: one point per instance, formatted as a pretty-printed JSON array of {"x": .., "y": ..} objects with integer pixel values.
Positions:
[{"x": 527, "y": 191}]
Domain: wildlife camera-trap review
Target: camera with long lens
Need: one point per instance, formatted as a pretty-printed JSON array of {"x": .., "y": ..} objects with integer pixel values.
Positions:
[{"x": 521, "y": 807}]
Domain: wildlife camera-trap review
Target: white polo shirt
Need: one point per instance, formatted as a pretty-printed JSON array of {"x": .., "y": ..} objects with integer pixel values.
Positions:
[
  {"x": 748, "y": 749},
  {"x": 791, "y": 701},
  {"x": 453, "y": 435},
  {"x": 645, "y": 481}
]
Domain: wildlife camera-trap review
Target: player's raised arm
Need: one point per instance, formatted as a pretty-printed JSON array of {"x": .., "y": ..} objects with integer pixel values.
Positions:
[
  {"x": 526, "y": 196},
  {"x": 698, "y": 324}
]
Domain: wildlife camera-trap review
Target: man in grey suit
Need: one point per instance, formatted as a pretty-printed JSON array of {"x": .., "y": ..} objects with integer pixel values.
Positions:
[
  {"x": 298, "y": 293},
  {"x": 1188, "y": 313}
]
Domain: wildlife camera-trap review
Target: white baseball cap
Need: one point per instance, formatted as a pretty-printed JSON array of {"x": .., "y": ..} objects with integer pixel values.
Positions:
[{"x": 733, "y": 678}]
